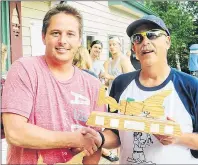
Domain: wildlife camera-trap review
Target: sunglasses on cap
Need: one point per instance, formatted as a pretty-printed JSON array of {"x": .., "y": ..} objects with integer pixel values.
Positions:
[{"x": 151, "y": 35}]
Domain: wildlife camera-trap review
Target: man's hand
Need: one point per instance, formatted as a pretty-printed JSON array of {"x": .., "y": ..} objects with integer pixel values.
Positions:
[
  {"x": 87, "y": 139},
  {"x": 95, "y": 136},
  {"x": 166, "y": 139}
]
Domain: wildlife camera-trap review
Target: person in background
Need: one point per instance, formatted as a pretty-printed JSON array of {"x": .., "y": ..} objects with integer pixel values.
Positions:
[
  {"x": 134, "y": 61},
  {"x": 128, "y": 54},
  {"x": 83, "y": 61},
  {"x": 95, "y": 53},
  {"x": 150, "y": 40},
  {"x": 193, "y": 60},
  {"x": 46, "y": 100},
  {"x": 118, "y": 64},
  {"x": 133, "y": 58}
]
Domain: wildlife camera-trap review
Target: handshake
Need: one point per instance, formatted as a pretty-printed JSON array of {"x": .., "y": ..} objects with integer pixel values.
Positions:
[{"x": 87, "y": 140}]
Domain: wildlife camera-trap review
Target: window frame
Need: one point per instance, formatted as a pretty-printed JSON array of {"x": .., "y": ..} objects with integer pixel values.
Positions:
[{"x": 88, "y": 34}]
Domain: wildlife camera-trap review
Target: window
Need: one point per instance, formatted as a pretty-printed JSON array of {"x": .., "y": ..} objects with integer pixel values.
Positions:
[{"x": 88, "y": 38}]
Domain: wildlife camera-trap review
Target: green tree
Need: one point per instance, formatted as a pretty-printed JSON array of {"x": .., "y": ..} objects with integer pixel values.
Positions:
[
  {"x": 192, "y": 7},
  {"x": 180, "y": 22}
]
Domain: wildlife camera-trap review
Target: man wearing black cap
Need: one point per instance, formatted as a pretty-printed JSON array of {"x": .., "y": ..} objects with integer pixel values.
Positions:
[{"x": 150, "y": 41}]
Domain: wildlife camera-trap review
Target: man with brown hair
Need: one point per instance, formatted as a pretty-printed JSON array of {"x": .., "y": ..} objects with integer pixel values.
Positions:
[{"x": 46, "y": 100}]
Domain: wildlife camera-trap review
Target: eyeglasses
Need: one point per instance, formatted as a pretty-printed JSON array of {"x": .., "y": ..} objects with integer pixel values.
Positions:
[{"x": 151, "y": 35}]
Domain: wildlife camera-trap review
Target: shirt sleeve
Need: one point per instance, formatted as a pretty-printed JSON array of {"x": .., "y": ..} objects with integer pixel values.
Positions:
[
  {"x": 17, "y": 94},
  {"x": 194, "y": 111}
]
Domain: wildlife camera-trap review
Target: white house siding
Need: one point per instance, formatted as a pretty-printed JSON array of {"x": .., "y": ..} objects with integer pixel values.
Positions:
[
  {"x": 99, "y": 19},
  {"x": 102, "y": 21},
  {"x": 31, "y": 12}
]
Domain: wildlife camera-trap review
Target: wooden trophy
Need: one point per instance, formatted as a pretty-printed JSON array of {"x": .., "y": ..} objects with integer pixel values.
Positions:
[{"x": 138, "y": 116}]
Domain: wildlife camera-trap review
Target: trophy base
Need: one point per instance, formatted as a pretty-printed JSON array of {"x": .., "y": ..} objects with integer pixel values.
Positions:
[{"x": 133, "y": 123}]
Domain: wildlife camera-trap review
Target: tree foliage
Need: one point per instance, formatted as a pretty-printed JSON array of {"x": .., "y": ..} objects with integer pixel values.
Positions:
[
  {"x": 180, "y": 18},
  {"x": 192, "y": 7}
]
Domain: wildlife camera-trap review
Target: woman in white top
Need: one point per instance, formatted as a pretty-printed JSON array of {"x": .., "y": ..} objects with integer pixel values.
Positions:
[
  {"x": 95, "y": 52},
  {"x": 98, "y": 69},
  {"x": 118, "y": 64}
]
